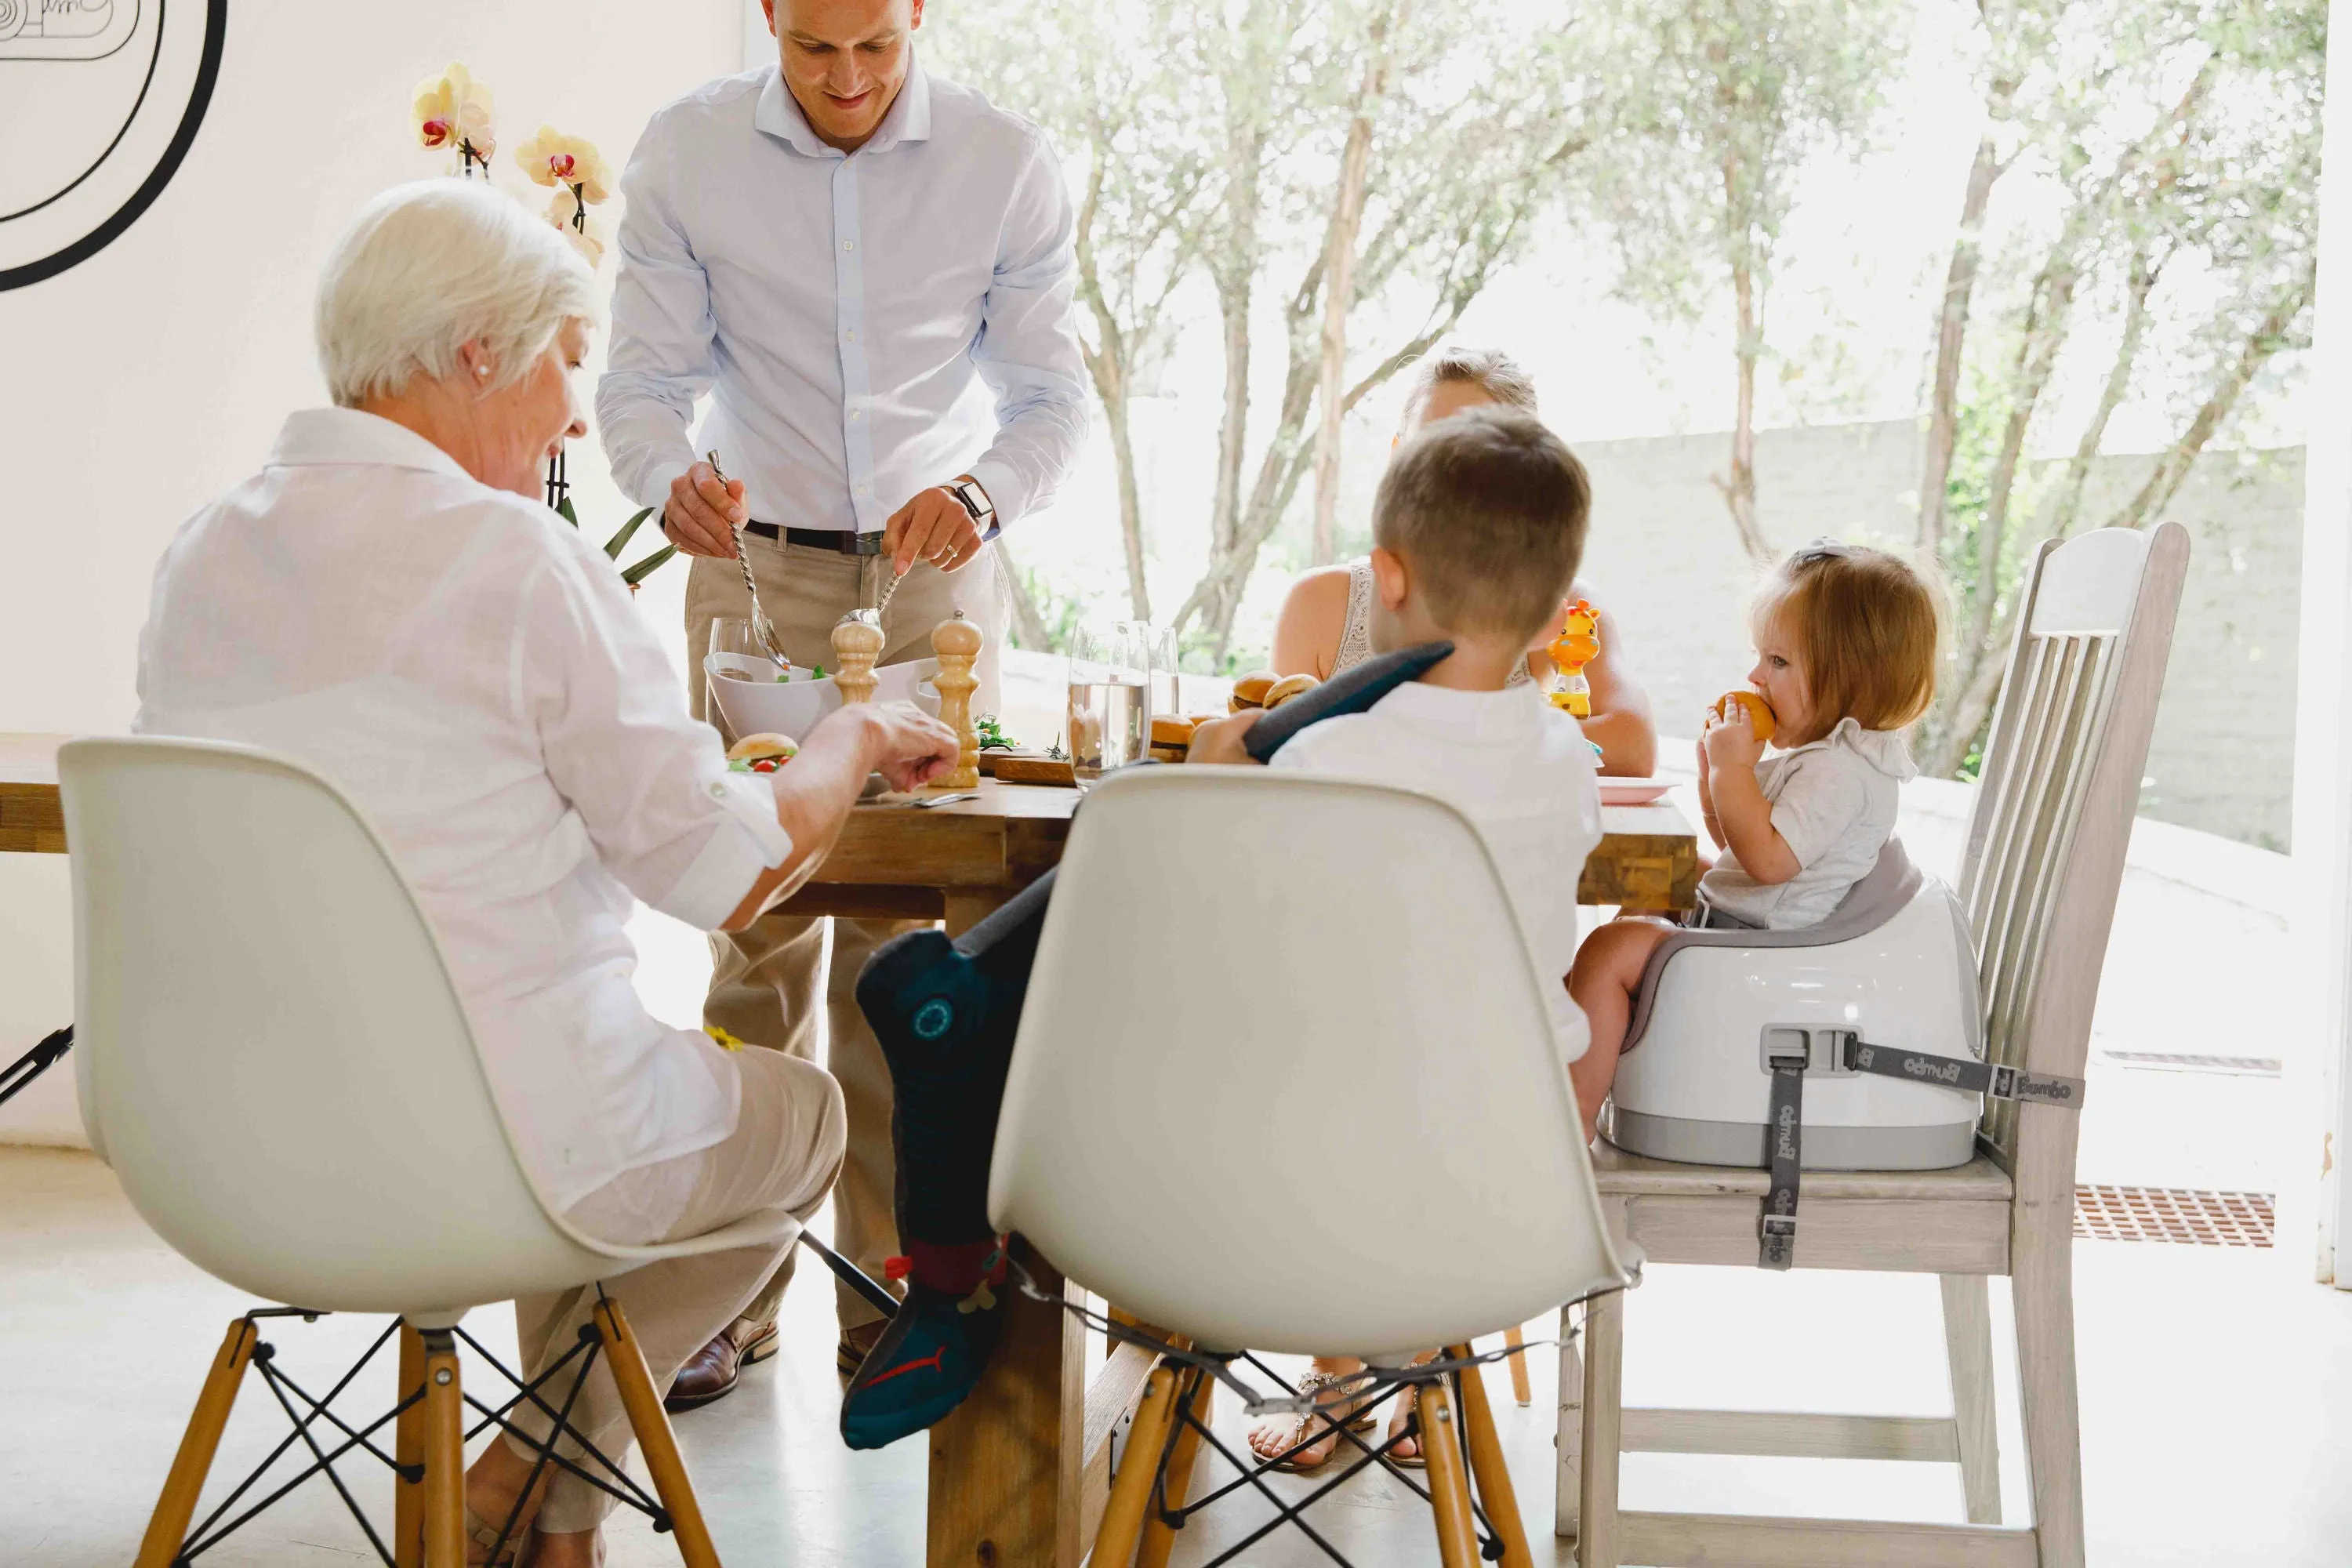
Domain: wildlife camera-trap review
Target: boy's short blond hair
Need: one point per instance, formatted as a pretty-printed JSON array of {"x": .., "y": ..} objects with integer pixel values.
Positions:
[
  {"x": 1868, "y": 626},
  {"x": 1489, "y": 510}
]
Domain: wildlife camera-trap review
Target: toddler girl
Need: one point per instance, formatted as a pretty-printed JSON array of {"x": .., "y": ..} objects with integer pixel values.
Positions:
[{"x": 1845, "y": 645}]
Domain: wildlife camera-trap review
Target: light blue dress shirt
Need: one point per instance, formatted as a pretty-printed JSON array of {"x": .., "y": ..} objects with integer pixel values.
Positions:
[{"x": 867, "y": 326}]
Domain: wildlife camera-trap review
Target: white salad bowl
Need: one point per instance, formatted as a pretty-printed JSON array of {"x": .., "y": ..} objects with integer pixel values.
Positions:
[{"x": 766, "y": 705}]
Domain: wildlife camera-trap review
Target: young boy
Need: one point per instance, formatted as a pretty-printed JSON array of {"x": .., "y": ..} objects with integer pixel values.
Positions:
[{"x": 1479, "y": 528}]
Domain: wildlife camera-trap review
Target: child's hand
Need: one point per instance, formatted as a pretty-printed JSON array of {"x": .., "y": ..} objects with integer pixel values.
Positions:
[{"x": 1731, "y": 740}]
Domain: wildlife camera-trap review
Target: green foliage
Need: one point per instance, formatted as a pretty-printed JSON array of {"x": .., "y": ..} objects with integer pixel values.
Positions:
[{"x": 1058, "y": 612}]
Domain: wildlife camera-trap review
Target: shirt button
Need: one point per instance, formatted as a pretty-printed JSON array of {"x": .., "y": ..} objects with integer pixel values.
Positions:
[
  {"x": 849, "y": 245},
  {"x": 851, "y": 334},
  {"x": 718, "y": 792},
  {"x": 855, "y": 415},
  {"x": 864, "y": 490}
]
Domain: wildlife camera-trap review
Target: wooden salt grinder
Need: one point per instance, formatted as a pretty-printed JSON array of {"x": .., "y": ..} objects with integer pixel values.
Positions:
[
  {"x": 856, "y": 644},
  {"x": 957, "y": 642}
]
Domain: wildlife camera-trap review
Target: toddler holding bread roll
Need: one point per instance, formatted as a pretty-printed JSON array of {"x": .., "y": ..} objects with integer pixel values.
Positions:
[{"x": 1846, "y": 643}]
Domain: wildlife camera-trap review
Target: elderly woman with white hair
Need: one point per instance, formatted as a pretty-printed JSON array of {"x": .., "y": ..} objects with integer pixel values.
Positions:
[{"x": 388, "y": 601}]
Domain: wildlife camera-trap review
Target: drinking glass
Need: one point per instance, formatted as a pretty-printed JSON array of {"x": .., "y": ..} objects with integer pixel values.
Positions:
[
  {"x": 741, "y": 651},
  {"x": 1110, "y": 700},
  {"x": 1167, "y": 686}
]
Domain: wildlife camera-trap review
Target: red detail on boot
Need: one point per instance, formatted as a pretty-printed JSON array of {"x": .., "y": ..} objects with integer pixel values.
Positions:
[
  {"x": 956, "y": 1271},
  {"x": 897, "y": 1268}
]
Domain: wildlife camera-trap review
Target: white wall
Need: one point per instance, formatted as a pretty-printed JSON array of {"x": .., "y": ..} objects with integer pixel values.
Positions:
[
  {"x": 2323, "y": 766},
  {"x": 156, "y": 375}
]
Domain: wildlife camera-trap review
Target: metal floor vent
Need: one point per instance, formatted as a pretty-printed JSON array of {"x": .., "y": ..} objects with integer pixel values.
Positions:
[
  {"x": 2168, "y": 1061},
  {"x": 2178, "y": 1215}
]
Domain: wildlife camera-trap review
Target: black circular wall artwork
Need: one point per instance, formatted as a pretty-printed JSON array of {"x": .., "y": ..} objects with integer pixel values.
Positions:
[{"x": 99, "y": 102}]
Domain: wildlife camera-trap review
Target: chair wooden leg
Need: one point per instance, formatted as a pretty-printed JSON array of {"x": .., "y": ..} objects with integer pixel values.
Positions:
[
  {"x": 409, "y": 1449},
  {"x": 2042, "y": 1262},
  {"x": 656, "y": 1441},
  {"x": 1568, "y": 1430},
  {"x": 167, "y": 1527},
  {"x": 1521, "y": 1389},
  {"x": 1158, "y": 1536},
  {"x": 1605, "y": 1419},
  {"x": 444, "y": 1503},
  {"x": 1130, "y": 1489},
  {"x": 1488, "y": 1469},
  {"x": 1967, "y": 1347},
  {"x": 1449, "y": 1483}
]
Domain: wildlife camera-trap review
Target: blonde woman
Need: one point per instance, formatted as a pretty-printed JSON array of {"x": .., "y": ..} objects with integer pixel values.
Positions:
[{"x": 1324, "y": 626}]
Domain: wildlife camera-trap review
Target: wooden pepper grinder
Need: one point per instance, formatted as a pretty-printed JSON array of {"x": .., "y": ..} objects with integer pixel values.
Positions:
[
  {"x": 856, "y": 644},
  {"x": 957, "y": 642}
]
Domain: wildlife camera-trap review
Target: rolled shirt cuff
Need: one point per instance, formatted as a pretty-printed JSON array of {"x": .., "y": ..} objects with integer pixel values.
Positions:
[
  {"x": 658, "y": 479},
  {"x": 1004, "y": 491},
  {"x": 745, "y": 842}
]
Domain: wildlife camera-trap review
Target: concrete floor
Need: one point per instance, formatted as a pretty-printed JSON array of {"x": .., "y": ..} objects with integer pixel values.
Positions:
[{"x": 2217, "y": 1409}]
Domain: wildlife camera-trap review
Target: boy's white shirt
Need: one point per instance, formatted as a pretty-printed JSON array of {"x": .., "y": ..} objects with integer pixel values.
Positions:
[
  {"x": 1519, "y": 769},
  {"x": 1833, "y": 802}
]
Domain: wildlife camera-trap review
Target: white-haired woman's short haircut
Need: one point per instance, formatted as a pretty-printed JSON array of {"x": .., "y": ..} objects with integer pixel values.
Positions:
[
  {"x": 1491, "y": 371},
  {"x": 427, "y": 268}
]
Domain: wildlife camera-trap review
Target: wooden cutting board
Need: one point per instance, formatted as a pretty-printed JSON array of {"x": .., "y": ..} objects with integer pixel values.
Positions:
[{"x": 1028, "y": 767}]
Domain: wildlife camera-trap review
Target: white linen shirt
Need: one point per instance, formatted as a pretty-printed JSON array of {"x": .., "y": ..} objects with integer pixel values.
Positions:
[
  {"x": 471, "y": 672},
  {"x": 1833, "y": 801},
  {"x": 1519, "y": 769},
  {"x": 850, "y": 315}
]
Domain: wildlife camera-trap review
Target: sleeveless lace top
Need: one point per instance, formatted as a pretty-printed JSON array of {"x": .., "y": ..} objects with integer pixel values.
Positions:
[{"x": 1355, "y": 636}]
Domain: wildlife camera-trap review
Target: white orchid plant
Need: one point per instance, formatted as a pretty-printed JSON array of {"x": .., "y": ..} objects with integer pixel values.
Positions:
[{"x": 454, "y": 111}]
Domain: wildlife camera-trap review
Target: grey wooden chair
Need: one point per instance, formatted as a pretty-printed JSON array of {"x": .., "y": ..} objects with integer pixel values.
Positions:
[{"x": 2044, "y": 859}]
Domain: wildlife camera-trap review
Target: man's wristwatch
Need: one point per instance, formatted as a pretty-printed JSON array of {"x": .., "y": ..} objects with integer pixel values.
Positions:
[{"x": 975, "y": 502}]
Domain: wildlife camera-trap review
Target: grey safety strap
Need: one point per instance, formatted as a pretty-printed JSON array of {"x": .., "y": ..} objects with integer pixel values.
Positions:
[
  {"x": 1777, "y": 1231},
  {"x": 1971, "y": 1077}
]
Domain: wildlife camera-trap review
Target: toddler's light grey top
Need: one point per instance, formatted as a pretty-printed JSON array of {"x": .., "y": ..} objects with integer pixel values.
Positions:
[{"x": 1833, "y": 801}]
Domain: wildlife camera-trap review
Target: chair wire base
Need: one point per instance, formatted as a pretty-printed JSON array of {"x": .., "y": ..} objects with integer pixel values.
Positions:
[
  {"x": 1381, "y": 1384},
  {"x": 212, "y": 1531}
]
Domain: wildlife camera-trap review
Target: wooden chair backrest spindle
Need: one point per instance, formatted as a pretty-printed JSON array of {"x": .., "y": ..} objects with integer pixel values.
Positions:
[{"x": 2054, "y": 811}]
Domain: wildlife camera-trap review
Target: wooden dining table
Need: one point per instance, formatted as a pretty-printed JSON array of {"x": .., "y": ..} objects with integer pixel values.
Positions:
[{"x": 1019, "y": 1474}]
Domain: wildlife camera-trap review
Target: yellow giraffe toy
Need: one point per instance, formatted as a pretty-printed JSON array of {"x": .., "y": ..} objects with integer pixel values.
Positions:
[{"x": 1578, "y": 645}]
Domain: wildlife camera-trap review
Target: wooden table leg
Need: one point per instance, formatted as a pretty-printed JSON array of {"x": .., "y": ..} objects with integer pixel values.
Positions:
[
  {"x": 409, "y": 1449},
  {"x": 1005, "y": 1467}
]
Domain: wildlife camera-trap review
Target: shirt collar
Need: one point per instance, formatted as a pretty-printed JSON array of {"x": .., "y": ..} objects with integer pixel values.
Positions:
[
  {"x": 1507, "y": 714},
  {"x": 779, "y": 114},
  {"x": 1888, "y": 751},
  {"x": 317, "y": 436}
]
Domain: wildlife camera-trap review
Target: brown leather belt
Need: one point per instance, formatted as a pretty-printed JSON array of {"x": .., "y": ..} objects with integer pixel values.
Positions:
[{"x": 841, "y": 542}]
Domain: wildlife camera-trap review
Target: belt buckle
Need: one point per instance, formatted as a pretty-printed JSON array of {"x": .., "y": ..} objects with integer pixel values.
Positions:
[{"x": 863, "y": 544}]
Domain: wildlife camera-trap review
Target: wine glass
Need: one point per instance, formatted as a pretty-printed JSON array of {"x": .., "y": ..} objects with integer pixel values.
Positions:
[{"x": 1110, "y": 700}]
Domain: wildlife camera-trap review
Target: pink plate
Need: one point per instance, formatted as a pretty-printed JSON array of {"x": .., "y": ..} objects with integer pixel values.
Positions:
[{"x": 1632, "y": 792}]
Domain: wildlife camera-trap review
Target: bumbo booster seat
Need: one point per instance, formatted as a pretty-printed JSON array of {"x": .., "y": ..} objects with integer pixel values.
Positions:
[
  {"x": 1892, "y": 965},
  {"x": 1853, "y": 1045}
]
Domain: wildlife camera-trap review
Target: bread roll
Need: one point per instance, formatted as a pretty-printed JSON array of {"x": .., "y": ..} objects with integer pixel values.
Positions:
[
  {"x": 1249, "y": 690},
  {"x": 1288, "y": 687},
  {"x": 767, "y": 743}
]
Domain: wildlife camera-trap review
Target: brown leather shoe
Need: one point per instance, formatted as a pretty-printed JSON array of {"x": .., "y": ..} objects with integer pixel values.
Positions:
[
  {"x": 855, "y": 1345},
  {"x": 712, "y": 1371}
]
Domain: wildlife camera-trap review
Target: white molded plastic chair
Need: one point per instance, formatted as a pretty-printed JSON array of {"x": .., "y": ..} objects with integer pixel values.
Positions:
[
  {"x": 273, "y": 1058},
  {"x": 2047, "y": 835},
  {"x": 1238, "y": 964}
]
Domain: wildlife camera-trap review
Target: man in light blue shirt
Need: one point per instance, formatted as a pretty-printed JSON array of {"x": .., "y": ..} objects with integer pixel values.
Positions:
[{"x": 869, "y": 271}]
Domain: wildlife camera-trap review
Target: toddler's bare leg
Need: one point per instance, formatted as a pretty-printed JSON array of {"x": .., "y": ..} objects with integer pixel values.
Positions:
[{"x": 1608, "y": 972}]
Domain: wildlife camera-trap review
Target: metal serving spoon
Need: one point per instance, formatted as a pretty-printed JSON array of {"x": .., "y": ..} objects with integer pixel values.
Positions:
[{"x": 762, "y": 626}]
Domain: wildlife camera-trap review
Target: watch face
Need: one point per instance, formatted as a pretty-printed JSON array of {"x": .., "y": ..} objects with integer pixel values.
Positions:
[{"x": 99, "y": 102}]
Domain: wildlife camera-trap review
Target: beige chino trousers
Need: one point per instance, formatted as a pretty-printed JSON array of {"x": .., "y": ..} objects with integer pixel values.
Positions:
[
  {"x": 783, "y": 1153},
  {"x": 766, "y": 980}
]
